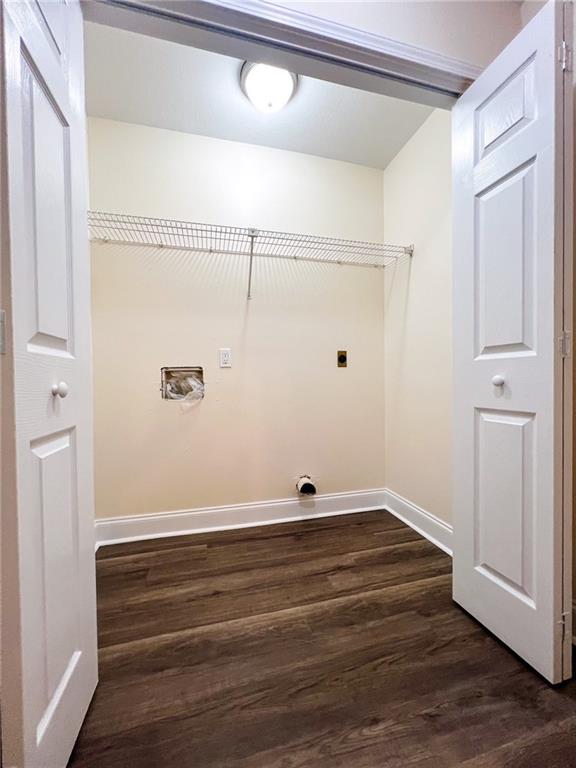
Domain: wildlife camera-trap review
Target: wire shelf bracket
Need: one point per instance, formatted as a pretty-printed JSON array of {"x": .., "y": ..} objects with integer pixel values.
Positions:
[{"x": 123, "y": 229}]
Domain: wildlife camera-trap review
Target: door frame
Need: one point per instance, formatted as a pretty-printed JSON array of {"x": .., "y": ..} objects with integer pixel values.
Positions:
[
  {"x": 249, "y": 29},
  {"x": 566, "y": 247},
  {"x": 9, "y": 635}
]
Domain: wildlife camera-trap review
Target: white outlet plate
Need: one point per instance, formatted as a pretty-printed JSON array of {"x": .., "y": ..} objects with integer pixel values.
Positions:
[{"x": 225, "y": 355}]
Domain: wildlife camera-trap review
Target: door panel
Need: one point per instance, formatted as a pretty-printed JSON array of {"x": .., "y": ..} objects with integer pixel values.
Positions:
[
  {"x": 49, "y": 609},
  {"x": 506, "y": 472},
  {"x": 53, "y": 20},
  {"x": 52, "y": 211},
  {"x": 506, "y": 111},
  {"x": 510, "y": 570},
  {"x": 56, "y": 517},
  {"x": 47, "y": 180},
  {"x": 505, "y": 219}
]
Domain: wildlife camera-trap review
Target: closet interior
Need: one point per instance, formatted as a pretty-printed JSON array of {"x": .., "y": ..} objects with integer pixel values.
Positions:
[{"x": 271, "y": 294}]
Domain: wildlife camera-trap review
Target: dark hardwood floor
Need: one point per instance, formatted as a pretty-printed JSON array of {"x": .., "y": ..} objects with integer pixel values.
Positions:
[{"x": 332, "y": 643}]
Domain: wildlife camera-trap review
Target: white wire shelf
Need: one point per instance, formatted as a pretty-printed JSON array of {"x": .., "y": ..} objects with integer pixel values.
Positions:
[{"x": 212, "y": 238}]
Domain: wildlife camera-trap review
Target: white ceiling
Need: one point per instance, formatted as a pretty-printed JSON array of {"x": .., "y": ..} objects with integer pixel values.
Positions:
[{"x": 139, "y": 79}]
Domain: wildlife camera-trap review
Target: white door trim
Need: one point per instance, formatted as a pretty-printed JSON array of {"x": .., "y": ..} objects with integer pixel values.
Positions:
[{"x": 567, "y": 249}]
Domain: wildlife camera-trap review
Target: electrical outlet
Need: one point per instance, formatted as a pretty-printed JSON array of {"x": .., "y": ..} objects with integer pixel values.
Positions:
[{"x": 225, "y": 357}]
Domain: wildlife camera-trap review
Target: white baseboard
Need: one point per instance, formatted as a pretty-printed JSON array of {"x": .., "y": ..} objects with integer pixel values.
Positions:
[
  {"x": 425, "y": 523},
  {"x": 113, "y": 530}
]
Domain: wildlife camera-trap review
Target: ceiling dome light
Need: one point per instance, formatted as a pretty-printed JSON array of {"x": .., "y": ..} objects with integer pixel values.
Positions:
[{"x": 268, "y": 88}]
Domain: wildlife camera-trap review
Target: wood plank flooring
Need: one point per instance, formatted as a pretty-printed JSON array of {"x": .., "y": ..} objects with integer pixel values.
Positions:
[{"x": 330, "y": 643}]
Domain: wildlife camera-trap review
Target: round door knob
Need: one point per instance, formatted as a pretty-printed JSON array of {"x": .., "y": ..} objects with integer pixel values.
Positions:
[
  {"x": 60, "y": 390},
  {"x": 498, "y": 380}
]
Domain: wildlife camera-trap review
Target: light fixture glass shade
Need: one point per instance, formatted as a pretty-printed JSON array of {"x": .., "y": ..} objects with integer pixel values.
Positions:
[{"x": 268, "y": 88}]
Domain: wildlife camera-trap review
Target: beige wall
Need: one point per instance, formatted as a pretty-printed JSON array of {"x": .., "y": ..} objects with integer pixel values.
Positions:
[
  {"x": 156, "y": 172},
  {"x": 417, "y": 209},
  {"x": 474, "y": 31},
  {"x": 284, "y": 408}
]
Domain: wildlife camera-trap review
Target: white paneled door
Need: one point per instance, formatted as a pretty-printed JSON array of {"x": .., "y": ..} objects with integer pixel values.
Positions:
[
  {"x": 511, "y": 430},
  {"x": 49, "y": 668}
]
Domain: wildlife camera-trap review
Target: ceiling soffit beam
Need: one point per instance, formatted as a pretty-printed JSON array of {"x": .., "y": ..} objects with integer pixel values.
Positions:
[{"x": 256, "y": 30}]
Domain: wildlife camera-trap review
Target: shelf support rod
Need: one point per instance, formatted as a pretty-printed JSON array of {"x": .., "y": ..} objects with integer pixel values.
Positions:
[{"x": 252, "y": 234}]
